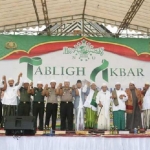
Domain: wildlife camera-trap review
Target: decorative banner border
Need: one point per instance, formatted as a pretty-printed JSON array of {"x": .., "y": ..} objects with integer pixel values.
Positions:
[{"x": 47, "y": 47}]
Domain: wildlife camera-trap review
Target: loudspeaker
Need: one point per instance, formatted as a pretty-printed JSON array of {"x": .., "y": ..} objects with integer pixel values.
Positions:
[{"x": 19, "y": 125}]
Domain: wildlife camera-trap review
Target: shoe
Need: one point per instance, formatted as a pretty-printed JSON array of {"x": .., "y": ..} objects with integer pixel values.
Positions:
[{"x": 40, "y": 129}]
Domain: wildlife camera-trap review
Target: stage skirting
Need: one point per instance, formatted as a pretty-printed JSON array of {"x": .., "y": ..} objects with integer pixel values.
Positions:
[{"x": 73, "y": 143}]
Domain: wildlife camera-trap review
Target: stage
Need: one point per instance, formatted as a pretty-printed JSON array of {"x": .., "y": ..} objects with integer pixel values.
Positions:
[{"x": 76, "y": 142}]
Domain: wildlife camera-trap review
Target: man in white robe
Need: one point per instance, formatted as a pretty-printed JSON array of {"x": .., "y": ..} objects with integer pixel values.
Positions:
[
  {"x": 91, "y": 107},
  {"x": 9, "y": 100},
  {"x": 103, "y": 100},
  {"x": 146, "y": 107}
]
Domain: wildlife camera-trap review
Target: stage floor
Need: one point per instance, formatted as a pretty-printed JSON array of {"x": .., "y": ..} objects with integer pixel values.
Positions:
[{"x": 72, "y": 141}]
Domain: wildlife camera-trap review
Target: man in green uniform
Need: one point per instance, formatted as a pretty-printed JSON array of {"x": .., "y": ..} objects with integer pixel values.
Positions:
[
  {"x": 25, "y": 97},
  {"x": 38, "y": 104}
]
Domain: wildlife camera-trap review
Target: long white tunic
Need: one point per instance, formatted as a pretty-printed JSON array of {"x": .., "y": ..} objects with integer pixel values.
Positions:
[
  {"x": 146, "y": 100},
  {"x": 80, "y": 110},
  {"x": 103, "y": 113},
  {"x": 121, "y": 102},
  {"x": 80, "y": 114}
]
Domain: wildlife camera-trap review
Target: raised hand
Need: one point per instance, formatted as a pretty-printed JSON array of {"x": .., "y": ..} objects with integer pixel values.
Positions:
[
  {"x": 88, "y": 84},
  {"x": 100, "y": 104},
  {"x": 20, "y": 75},
  {"x": 60, "y": 85},
  {"x": 31, "y": 84},
  {"x": 113, "y": 97},
  {"x": 46, "y": 86},
  {"x": 121, "y": 96},
  {"x": 73, "y": 87},
  {"x": 4, "y": 78}
]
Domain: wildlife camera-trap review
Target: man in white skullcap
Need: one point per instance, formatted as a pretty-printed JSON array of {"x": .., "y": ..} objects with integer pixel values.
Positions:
[
  {"x": 1, "y": 90},
  {"x": 103, "y": 100},
  {"x": 38, "y": 104},
  {"x": 133, "y": 107},
  {"x": 66, "y": 106},
  {"x": 91, "y": 107},
  {"x": 146, "y": 106},
  {"x": 119, "y": 98},
  {"x": 9, "y": 100},
  {"x": 52, "y": 104}
]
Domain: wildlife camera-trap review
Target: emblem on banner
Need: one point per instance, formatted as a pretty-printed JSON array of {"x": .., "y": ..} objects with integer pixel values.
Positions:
[
  {"x": 102, "y": 68},
  {"x": 11, "y": 45},
  {"x": 35, "y": 61},
  {"x": 84, "y": 51}
]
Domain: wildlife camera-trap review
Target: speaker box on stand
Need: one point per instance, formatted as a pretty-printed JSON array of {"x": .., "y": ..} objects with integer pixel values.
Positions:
[{"x": 19, "y": 125}]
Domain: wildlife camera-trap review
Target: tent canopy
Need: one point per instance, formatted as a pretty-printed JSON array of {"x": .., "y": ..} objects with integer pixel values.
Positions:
[{"x": 15, "y": 14}]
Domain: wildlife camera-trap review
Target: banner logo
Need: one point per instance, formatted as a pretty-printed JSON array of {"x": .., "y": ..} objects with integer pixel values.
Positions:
[
  {"x": 83, "y": 50},
  {"x": 11, "y": 45},
  {"x": 35, "y": 61},
  {"x": 102, "y": 68}
]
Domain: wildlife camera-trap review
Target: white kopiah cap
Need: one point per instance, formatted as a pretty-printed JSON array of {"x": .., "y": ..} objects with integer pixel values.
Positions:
[
  {"x": 93, "y": 83},
  {"x": 39, "y": 82},
  {"x": 117, "y": 83},
  {"x": 132, "y": 82},
  {"x": 147, "y": 83},
  {"x": 10, "y": 79},
  {"x": 52, "y": 81},
  {"x": 104, "y": 84},
  {"x": 66, "y": 80},
  {"x": 25, "y": 81}
]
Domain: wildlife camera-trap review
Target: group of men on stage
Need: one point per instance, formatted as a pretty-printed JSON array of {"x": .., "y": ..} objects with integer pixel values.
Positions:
[{"x": 85, "y": 99}]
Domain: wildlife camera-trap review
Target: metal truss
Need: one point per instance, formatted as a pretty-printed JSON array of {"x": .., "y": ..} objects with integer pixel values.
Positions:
[
  {"x": 45, "y": 13},
  {"x": 130, "y": 15},
  {"x": 65, "y": 26},
  {"x": 83, "y": 18},
  {"x": 87, "y": 29},
  {"x": 35, "y": 9},
  {"x": 66, "y": 19}
]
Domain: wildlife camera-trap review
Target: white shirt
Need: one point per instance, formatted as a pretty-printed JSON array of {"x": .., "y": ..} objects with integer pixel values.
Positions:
[
  {"x": 88, "y": 100},
  {"x": 121, "y": 102},
  {"x": 10, "y": 94},
  {"x": 146, "y": 100}
]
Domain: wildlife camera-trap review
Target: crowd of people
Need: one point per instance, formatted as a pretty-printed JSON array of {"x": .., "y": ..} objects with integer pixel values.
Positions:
[{"x": 90, "y": 104}]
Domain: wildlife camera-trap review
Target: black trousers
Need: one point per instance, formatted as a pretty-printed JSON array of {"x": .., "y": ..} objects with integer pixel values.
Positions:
[
  {"x": 24, "y": 109},
  {"x": 51, "y": 110},
  {"x": 0, "y": 112},
  {"x": 9, "y": 110},
  {"x": 66, "y": 114},
  {"x": 38, "y": 109}
]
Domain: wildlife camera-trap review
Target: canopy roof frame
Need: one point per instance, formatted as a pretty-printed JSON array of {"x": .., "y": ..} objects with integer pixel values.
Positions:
[
  {"x": 16, "y": 15},
  {"x": 130, "y": 15}
]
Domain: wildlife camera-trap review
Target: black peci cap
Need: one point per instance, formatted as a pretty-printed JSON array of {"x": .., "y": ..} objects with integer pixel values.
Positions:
[{"x": 79, "y": 81}]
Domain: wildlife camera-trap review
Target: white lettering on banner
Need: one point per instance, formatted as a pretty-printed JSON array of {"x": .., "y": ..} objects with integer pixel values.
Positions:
[
  {"x": 78, "y": 71},
  {"x": 126, "y": 72},
  {"x": 59, "y": 67}
]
